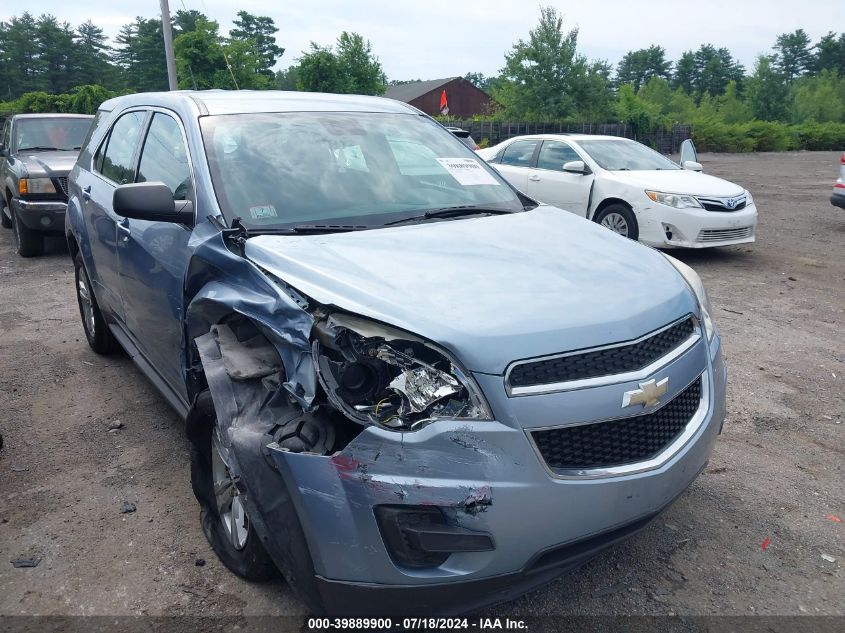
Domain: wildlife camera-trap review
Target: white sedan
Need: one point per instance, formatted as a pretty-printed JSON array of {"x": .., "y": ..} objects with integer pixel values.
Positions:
[{"x": 628, "y": 188}]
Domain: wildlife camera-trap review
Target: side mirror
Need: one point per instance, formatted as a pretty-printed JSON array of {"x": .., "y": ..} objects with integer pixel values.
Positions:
[
  {"x": 151, "y": 201},
  {"x": 575, "y": 167},
  {"x": 691, "y": 165}
]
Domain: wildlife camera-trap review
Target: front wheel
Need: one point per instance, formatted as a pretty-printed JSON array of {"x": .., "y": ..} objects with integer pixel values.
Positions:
[
  {"x": 28, "y": 243},
  {"x": 620, "y": 219}
]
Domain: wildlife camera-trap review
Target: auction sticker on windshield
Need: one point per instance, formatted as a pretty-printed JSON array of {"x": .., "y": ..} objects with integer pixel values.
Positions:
[
  {"x": 263, "y": 211},
  {"x": 467, "y": 171}
]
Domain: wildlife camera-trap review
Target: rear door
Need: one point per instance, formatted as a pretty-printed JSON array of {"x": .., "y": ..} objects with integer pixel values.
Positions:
[
  {"x": 547, "y": 182},
  {"x": 113, "y": 165},
  {"x": 515, "y": 161},
  {"x": 153, "y": 256}
]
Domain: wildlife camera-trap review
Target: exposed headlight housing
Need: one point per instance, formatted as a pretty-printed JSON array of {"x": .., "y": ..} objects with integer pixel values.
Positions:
[
  {"x": 35, "y": 185},
  {"x": 676, "y": 200},
  {"x": 694, "y": 282},
  {"x": 376, "y": 374}
]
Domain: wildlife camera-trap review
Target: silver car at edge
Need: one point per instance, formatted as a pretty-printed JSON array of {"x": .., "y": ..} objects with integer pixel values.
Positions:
[{"x": 407, "y": 386}]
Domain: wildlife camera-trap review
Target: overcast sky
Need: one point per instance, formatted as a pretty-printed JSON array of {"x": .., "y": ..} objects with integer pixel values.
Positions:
[{"x": 438, "y": 38}]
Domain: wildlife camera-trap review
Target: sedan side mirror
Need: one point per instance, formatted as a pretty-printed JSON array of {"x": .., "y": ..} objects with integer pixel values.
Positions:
[
  {"x": 575, "y": 167},
  {"x": 691, "y": 165},
  {"x": 151, "y": 201}
]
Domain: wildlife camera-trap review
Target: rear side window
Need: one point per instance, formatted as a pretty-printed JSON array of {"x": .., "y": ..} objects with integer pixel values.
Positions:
[
  {"x": 519, "y": 153},
  {"x": 120, "y": 148},
  {"x": 164, "y": 157},
  {"x": 554, "y": 154}
]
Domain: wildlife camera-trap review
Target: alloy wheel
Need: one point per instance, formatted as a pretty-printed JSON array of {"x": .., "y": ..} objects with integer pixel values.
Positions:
[{"x": 87, "y": 305}]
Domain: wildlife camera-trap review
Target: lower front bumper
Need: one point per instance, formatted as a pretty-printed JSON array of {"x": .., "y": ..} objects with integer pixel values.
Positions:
[
  {"x": 665, "y": 227},
  {"x": 458, "y": 598},
  {"x": 837, "y": 198},
  {"x": 40, "y": 215}
]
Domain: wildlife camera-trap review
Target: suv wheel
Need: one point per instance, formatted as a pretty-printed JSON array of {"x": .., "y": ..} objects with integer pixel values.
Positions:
[
  {"x": 620, "y": 219},
  {"x": 5, "y": 214},
  {"x": 97, "y": 332},
  {"x": 28, "y": 243}
]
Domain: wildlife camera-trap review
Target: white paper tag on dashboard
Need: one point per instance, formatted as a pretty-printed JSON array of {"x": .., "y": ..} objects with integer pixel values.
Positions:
[
  {"x": 263, "y": 211},
  {"x": 467, "y": 171}
]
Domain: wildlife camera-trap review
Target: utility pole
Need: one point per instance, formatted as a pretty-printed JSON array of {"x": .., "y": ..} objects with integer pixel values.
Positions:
[{"x": 168, "y": 45}]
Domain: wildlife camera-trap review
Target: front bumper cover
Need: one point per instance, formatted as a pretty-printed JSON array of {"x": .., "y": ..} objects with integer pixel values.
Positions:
[
  {"x": 686, "y": 226},
  {"x": 41, "y": 215},
  {"x": 837, "y": 198}
]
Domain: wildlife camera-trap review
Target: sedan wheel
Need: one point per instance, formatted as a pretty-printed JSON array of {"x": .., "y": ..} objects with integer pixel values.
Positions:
[{"x": 616, "y": 223}]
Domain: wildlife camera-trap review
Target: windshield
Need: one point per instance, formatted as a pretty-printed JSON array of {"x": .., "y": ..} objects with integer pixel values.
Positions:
[
  {"x": 60, "y": 133},
  {"x": 624, "y": 155},
  {"x": 274, "y": 170}
]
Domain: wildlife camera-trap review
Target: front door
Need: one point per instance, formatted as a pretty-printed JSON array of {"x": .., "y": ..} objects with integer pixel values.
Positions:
[
  {"x": 153, "y": 256},
  {"x": 547, "y": 182}
]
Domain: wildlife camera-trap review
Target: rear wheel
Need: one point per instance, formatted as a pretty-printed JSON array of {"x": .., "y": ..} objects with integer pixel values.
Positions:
[
  {"x": 620, "y": 219},
  {"x": 97, "y": 332},
  {"x": 28, "y": 243}
]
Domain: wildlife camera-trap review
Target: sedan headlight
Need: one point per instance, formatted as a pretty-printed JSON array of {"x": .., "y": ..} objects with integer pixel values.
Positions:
[
  {"x": 749, "y": 199},
  {"x": 676, "y": 200},
  {"x": 35, "y": 185},
  {"x": 694, "y": 282},
  {"x": 376, "y": 374}
]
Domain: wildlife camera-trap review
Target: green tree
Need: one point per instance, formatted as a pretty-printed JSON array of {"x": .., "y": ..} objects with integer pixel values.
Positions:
[
  {"x": 286, "y": 79},
  {"x": 819, "y": 99},
  {"x": 715, "y": 68},
  {"x": 731, "y": 107},
  {"x": 349, "y": 68},
  {"x": 542, "y": 77},
  {"x": 140, "y": 54},
  {"x": 793, "y": 54},
  {"x": 685, "y": 73},
  {"x": 186, "y": 21},
  {"x": 636, "y": 112},
  {"x": 22, "y": 66},
  {"x": 55, "y": 50},
  {"x": 637, "y": 67},
  {"x": 260, "y": 31},
  {"x": 830, "y": 53},
  {"x": 199, "y": 57},
  {"x": 92, "y": 57},
  {"x": 766, "y": 91}
]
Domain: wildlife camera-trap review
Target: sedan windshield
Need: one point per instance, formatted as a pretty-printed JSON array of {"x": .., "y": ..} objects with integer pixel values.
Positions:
[
  {"x": 47, "y": 133},
  {"x": 624, "y": 155},
  {"x": 277, "y": 170}
]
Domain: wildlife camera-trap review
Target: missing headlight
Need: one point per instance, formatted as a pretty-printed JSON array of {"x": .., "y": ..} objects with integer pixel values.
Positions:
[{"x": 377, "y": 375}]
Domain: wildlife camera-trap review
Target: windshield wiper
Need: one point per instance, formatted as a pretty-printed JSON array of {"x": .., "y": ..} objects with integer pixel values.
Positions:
[
  {"x": 451, "y": 212},
  {"x": 39, "y": 148}
]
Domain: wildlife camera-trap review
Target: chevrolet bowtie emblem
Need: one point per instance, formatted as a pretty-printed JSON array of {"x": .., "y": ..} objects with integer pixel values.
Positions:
[{"x": 647, "y": 395}]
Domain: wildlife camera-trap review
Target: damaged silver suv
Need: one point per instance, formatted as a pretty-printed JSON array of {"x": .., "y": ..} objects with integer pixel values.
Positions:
[{"x": 386, "y": 356}]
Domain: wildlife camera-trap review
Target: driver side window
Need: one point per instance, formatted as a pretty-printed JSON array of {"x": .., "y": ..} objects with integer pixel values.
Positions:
[{"x": 164, "y": 157}]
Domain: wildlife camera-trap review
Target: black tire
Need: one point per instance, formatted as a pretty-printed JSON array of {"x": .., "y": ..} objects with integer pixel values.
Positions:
[
  {"x": 286, "y": 540},
  {"x": 97, "y": 333},
  {"x": 618, "y": 214},
  {"x": 250, "y": 561},
  {"x": 28, "y": 243},
  {"x": 5, "y": 220}
]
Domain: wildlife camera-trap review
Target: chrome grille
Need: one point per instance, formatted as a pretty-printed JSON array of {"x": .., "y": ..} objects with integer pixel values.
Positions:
[
  {"x": 618, "y": 442},
  {"x": 605, "y": 361},
  {"x": 719, "y": 235},
  {"x": 731, "y": 203}
]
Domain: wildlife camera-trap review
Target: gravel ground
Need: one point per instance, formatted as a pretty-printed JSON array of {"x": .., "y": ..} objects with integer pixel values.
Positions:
[{"x": 750, "y": 536}]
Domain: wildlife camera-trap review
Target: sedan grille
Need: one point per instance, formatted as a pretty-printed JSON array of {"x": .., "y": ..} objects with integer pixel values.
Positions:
[
  {"x": 602, "y": 362},
  {"x": 723, "y": 204},
  {"x": 719, "y": 235},
  {"x": 618, "y": 442}
]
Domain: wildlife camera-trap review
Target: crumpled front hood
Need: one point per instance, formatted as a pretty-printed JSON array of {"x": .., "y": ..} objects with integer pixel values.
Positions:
[
  {"x": 51, "y": 164},
  {"x": 491, "y": 289},
  {"x": 678, "y": 181}
]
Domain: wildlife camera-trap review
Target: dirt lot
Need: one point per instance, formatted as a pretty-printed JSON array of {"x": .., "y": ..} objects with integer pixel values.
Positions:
[{"x": 747, "y": 538}]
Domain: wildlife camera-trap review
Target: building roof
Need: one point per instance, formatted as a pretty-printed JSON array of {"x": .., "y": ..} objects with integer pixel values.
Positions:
[{"x": 410, "y": 91}]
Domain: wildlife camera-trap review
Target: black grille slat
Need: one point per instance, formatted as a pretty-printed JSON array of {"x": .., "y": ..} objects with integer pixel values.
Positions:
[
  {"x": 618, "y": 442},
  {"x": 62, "y": 185},
  {"x": 710, "y": 206},
  {"x": 604, "y": 362}
]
